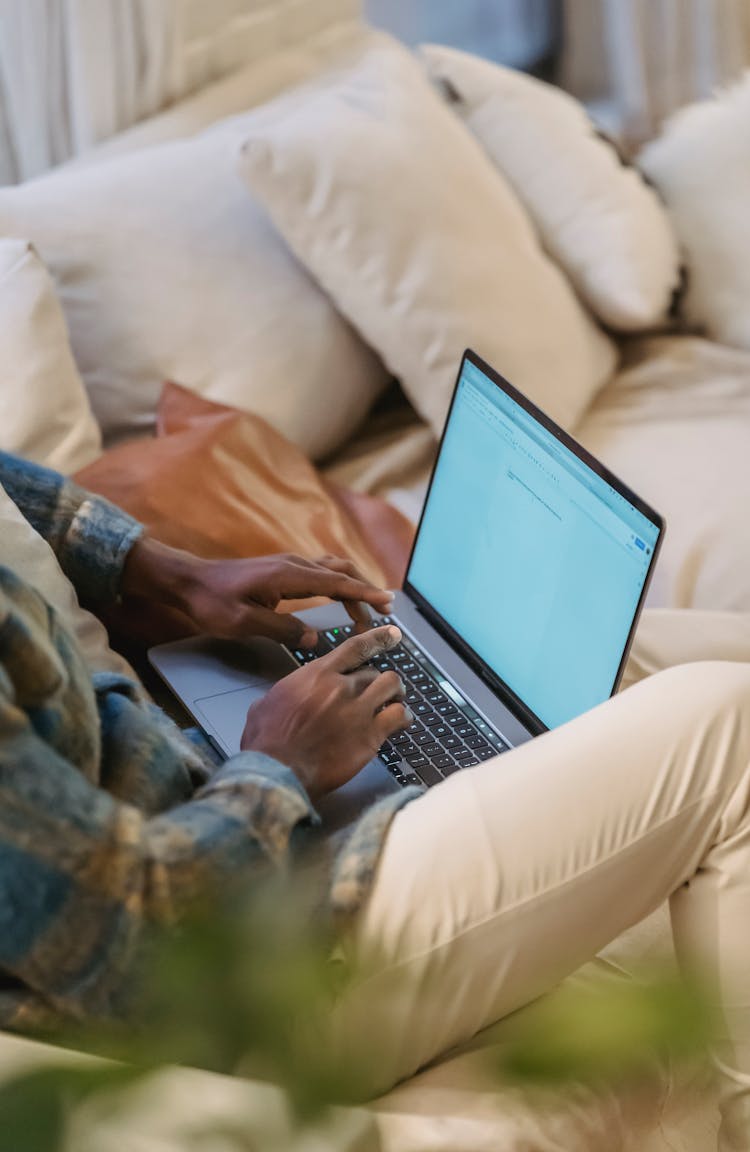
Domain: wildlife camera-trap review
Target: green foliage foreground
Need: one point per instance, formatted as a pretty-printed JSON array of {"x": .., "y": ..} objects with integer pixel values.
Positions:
[{"x": 244, "y": 990}]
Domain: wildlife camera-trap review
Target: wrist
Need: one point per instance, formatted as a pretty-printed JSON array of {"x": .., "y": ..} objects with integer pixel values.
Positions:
[
  {"x": 268, "y": 748},
  {"x": 160, "y": 574}
]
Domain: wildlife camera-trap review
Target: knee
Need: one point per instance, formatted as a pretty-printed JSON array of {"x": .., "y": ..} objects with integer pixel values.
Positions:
[{"x": 708, "y": 688}]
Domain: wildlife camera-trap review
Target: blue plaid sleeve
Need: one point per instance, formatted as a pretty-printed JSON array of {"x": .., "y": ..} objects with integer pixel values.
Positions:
[
  {"x": 90, "y": 537},
  {"x": 84, "y": 871}
]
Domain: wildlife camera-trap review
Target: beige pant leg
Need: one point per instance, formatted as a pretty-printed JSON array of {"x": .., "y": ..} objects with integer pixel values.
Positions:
[{"x": 500, "y": 882}]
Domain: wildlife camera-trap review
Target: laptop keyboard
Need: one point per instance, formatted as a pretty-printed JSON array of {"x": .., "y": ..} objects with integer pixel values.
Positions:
[{"x": 447, "y": 733}]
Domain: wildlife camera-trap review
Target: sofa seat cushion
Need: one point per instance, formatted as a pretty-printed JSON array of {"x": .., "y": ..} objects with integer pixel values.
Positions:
[{"x": 675, "y": 425}]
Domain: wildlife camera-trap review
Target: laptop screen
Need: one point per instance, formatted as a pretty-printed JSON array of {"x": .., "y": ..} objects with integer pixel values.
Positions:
[{"x": 529, "y": 555}]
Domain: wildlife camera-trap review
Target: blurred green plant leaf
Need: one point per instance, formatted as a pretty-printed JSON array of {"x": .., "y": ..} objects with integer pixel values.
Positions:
[{"x": 609, "y": 1035}]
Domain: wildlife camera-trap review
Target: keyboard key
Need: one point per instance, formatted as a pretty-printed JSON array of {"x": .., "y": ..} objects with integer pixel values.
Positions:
[
  {"x": 416, "y": 677},
  {"x": 487, "y": 753},
  {"x": 465, "y": 730},
  {"x": 439, "y": 731},
  {"x": 414, "y": 728},
  {"x": 392, "y": 757},
  {"x": 422, "y": 709},
  {"x": 476, "y": 742},
  {"x": 466, "y": 759},
  {"x": 431, "y": 719},
  {"x": 412, "y": 778},
  {"x": 408, "y": 666},
  {"x": 451, "y": 742},
  {"x": 453, "y": 718},
  {"x": 451, "y": 768},
  {"x": 417, "y": 761},
  {"x": 413, "y": 696},
  {"x": 399, "y": 739},
  {"x": 423, "y": 738},
  {"x": 430, "y": 774},
  {"x": 443, "y": 762},
  {"x": 432, "y": 750},
  {"x": 434, "y": 696}
]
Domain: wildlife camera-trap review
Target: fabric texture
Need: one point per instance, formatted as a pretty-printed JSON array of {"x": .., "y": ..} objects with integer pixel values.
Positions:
[
  {"x": 75, "y": 72},
  {"x": 27, "y": 554},
  {"x": 701, "y": 165},
  {"x": 423, "y": 266},
  {"x": 638, "y": 61},
  {"x": 166, "y": 269},
  {"x": 44, "y": 411},
  {"x": 222, "y": 483},
  {"x": 466, "y": 938},
  {"x": 596, "y": 217},
  {"x": 89, "y": 536},
  {"x": 255, "y": 83},
  {"x": 90, "y": 770},
  {"x": 674, "y": 424}
]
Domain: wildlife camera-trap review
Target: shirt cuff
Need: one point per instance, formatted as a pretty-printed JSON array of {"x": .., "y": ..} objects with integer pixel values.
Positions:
[
  {"x": 257, "y": 766},
  {"x": 97, "y": 544}
]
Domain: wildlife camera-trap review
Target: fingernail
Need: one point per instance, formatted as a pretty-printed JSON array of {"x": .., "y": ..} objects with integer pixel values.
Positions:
[{"x": 409, "y": 716}]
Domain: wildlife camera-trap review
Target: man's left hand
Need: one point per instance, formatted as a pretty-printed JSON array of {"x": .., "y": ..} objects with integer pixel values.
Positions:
[{"x": 238, "y": 599}]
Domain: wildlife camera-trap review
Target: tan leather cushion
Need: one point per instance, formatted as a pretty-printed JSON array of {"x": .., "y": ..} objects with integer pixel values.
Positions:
[{"x": 222, "y": 483}]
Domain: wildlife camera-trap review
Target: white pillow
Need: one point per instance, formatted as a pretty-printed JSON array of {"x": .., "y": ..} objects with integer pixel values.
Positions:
[
  {"x": 393, "y": 207},
  {"x": 44, "y": 412},
  {"x": 167, "y": 270},
  {"x": 596, "y": 217},
  {"x": 701, "y": 164},
  {"x": 25, "y": 552}
]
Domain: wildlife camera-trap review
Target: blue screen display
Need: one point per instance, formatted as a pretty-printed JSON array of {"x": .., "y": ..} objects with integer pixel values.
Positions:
[{"x": 531, "y": 557}]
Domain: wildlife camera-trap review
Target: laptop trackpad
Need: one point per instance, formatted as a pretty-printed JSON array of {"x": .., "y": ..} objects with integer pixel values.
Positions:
[{"x": 224, "y": 715}]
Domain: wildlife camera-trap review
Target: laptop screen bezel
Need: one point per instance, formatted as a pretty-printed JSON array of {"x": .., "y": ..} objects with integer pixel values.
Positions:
[{"x": 438, "y": 622}]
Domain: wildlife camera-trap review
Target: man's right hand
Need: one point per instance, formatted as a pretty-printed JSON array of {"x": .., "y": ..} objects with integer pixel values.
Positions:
[{"x": 327, "y": 720}]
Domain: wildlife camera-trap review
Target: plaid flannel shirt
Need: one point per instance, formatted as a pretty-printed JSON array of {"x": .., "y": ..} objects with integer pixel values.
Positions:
[{"x": 111, "y": 819}]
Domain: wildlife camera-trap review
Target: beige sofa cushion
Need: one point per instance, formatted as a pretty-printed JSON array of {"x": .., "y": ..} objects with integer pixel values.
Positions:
[
  {"x": 44, "y": 411},
  {"x": 167, "y": 269},
  {"x": 396, "y": 211},
  {"x": 701, "y": 165},
  {"x": 597, "y": 217}
]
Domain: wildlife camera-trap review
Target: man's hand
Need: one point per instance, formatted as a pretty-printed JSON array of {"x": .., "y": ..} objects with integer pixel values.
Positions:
[
  {"x": 237, "y": 599},
  {"x": 328, "y": 719}
]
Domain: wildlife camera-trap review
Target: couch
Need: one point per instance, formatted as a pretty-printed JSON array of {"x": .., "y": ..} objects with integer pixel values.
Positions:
[{"x": 662, "y": 397}]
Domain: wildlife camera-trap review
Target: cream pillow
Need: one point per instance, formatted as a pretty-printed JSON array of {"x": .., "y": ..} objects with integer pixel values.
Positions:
[
  {"x": 24, "y": 551},
  {"x": 596, "y": 217},
  {"x": 701, "y": 164},
  {"x": 167, "y": 270},
  {"x": 395, "y": 210},
  {"x": 44, "y": 412}
]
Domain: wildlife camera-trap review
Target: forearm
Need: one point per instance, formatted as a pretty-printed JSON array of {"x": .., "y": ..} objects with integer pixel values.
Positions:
[
  {"x": 89, "y": 878},
  {"x": 91, "y": 538}
]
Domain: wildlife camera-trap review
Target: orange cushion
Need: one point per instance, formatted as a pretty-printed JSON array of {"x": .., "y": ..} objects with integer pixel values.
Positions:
[{"x": 222, "y": 483}]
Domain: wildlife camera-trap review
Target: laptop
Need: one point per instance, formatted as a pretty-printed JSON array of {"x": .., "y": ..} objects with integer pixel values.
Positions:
[{"x": 528, "y": 573}]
